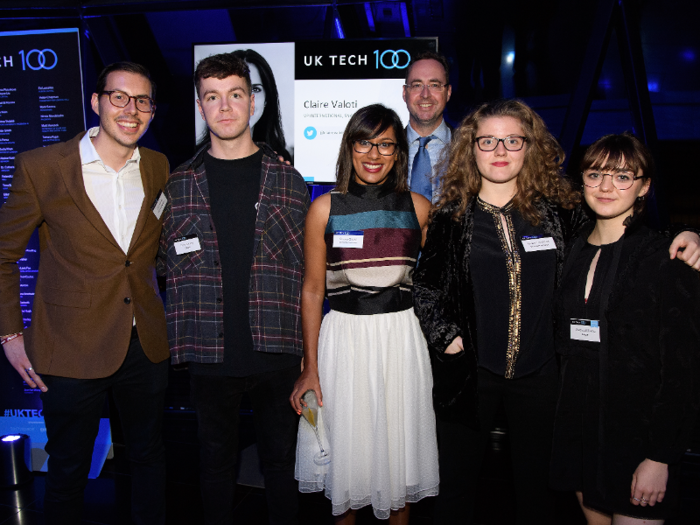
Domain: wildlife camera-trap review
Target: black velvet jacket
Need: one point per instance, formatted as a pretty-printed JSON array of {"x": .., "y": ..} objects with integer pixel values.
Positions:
[
  {"x": 443, "y": 299},
  {"x": 649, "y": 355}
]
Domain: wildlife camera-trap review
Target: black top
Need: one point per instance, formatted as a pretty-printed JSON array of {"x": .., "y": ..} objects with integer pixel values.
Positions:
[
  {"x": 637, "y": 394},
  {"x": 234, "y": 188},
  {"x": 573, "y": 291},
  {"x": 513, "y": 292}
]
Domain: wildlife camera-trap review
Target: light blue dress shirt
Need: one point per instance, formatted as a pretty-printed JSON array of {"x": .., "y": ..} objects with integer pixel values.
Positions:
[{"x": 435, "y": 147}]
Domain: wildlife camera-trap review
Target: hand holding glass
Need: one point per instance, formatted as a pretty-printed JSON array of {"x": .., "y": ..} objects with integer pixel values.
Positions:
[{"x": 310, "y": 414}]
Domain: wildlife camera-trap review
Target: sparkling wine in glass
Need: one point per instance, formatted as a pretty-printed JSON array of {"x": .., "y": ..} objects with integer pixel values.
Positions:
[{"x": 310, "y": 413}]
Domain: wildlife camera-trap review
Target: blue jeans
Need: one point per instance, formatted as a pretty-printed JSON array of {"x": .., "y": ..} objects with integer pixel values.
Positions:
[
  {"x": 217, "y": 400},
  {"x": 72, "y": 410}
]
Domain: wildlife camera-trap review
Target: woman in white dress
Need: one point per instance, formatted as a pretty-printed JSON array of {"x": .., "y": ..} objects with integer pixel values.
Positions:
[{"x": 367, "y": 360}]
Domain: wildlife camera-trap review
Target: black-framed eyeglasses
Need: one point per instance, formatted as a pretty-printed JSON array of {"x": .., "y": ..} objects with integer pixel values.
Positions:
[
  {"x": 511, "y": 142},
  {"x": 622, "y": 180},
  {"x": 119, "y": 99},
  {"x": 384, "y": 148},
  {"x": 433, "y": 87}
]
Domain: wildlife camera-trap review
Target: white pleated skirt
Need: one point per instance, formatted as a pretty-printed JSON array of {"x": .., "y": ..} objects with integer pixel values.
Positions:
[{"x": 377, "y": 418}]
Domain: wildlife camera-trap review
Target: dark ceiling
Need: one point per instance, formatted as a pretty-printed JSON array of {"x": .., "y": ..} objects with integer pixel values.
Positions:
[{"x": 568, "y": 58}]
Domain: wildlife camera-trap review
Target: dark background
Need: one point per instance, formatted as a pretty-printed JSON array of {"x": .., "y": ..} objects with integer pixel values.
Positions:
[{"x": 590, "y": 67}]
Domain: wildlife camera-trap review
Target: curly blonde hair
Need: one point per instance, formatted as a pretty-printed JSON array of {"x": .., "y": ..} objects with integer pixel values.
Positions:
[{"x": 540, "y": 177}]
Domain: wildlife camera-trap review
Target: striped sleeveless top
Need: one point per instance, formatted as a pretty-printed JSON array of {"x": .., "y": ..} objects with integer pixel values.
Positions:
[{"x": 378, "y": 276}]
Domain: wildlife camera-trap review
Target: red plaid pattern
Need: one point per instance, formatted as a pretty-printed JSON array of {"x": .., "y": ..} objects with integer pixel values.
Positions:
[{"x": 194, "y": 302}]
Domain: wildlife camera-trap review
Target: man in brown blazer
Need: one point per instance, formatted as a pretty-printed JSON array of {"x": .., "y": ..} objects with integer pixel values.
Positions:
[{"x": 98, "y": 322}]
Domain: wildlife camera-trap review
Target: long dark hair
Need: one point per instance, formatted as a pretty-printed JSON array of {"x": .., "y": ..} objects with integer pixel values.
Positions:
[
  {"x": 269, "y": 128},
  {"x": 367, "y": 123}
]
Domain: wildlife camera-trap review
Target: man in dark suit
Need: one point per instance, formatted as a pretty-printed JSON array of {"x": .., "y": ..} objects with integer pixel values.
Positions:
[{"x": 98, "y": 322}]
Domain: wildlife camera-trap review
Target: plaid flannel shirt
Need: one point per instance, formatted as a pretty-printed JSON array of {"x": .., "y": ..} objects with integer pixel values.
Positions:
[{"x": 194, "y": 300}]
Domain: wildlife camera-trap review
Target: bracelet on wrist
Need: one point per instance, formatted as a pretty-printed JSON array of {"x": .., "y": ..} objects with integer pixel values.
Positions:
[{"x": 9, "y": 337}]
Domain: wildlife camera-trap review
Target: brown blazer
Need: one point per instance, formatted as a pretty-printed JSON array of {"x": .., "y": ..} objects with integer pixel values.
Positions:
[{"x": 87, "y": 290}]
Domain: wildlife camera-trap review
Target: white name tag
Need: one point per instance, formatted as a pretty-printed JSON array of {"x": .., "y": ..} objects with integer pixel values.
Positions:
[
  {"x": 348, "y": 239},
  {"x": 187, "y": 244},
  {"x": 159, "y": 204},
  {"x": 585, "y": 330},
  {"x": 537, "y": 244}
]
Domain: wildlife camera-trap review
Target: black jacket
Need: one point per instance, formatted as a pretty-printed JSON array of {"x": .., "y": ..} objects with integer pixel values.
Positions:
[
  {"x": 649, "y": 355},
  {"x": 443, "y": 298}
]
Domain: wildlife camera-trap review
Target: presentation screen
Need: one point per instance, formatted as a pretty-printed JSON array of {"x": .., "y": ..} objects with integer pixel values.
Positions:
[{"x": 318, "y": 86}]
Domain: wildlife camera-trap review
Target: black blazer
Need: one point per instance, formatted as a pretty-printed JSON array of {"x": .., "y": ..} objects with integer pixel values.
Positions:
[
  {"x": 443, "y": 299},
  {"x": 649, "y": 353}
]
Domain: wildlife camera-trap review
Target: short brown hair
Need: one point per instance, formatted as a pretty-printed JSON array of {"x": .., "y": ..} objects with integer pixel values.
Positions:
[
  {"x": 430, "y": 55},
  {"x": 129, "y": 67},
  {"x": 221, "y": 66},
  {"x": 623, "y": 151}
]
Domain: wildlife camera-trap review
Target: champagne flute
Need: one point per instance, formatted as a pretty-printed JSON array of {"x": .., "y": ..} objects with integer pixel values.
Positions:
[{"x": 310, "y": 414}]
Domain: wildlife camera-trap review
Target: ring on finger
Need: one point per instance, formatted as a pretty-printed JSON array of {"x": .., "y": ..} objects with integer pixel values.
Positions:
[
  {"x": 636, "y": 499},
  {"x": 28, "y": 369}
]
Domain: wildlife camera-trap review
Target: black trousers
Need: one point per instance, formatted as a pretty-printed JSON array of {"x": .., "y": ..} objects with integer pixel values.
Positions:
[
  {"x": 530, "y": 404},
  {"x": 72, "y": 411},
  {"x": 217, "y": 400}
]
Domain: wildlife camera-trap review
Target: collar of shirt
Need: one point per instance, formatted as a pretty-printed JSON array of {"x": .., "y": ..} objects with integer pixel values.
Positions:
[
  {"x": 442, "y": 133},
  {"x": 88, "y": 153}
]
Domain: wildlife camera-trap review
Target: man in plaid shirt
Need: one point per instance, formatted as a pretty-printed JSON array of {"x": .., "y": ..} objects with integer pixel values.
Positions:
[{"x": 232, "y": 245}]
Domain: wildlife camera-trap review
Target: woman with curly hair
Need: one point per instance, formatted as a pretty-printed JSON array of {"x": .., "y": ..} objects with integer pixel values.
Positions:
[{"x": 483, "y": 292}]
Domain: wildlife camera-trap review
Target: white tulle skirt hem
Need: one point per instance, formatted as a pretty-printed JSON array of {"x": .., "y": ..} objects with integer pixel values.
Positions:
[{"x": 377, "y": 419}]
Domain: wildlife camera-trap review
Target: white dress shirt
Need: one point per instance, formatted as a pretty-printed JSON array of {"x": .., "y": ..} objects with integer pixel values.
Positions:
[{"x": 117, "y": 195}]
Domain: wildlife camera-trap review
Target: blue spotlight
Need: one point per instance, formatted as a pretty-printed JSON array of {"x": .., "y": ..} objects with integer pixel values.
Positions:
[
  {"x": 370, "y": 16},
  {"x": 688, "y": 55}
]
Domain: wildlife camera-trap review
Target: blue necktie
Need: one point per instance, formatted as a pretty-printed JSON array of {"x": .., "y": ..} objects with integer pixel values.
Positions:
[{"x": 422, "y": 171}]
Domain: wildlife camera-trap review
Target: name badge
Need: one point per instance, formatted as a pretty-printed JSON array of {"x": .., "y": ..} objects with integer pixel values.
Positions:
[
  {"x": 348, "y": 239},
  {"x": 538, "y": 244},
  {"x": 585, "y": 330},
  {"x": 159, "y": 204},
  {"x": 187, "y": 244}
]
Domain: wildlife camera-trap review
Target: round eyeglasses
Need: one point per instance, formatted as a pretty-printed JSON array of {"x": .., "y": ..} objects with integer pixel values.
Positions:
[
  {"x": 433, "y": 87},
  {"x": 384, "y": 148},
  {"x": 511, "y": 142},
  {"x": 622, "y": 180},
  {"x": 119, "y": 99}
]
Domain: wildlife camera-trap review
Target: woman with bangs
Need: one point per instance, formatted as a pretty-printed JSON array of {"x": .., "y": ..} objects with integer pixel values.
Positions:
[
  {"x": 483, "y": 292},
  {"x": 628, "y": 329},
  {"x": 367, "y": 360}
]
